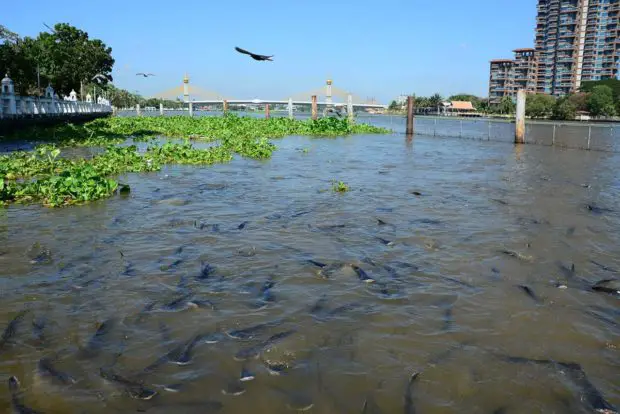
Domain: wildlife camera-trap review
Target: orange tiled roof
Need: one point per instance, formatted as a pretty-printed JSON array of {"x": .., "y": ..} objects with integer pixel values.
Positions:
[{"x": 462, "y": 105}]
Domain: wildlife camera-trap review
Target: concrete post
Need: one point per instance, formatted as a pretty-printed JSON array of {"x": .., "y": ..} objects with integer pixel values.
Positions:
[
  {"x": 266, "y": 111},
  {"x": 161, "y": 109},
  {"x": 314, "y": 108},
  {"x": 350, "y": 112},
  {"x": 410, "y": 129},
  {"x": 186, "y": 88},
  {"x": 225, "y": 106},
  {"x": 328, "y": 93},
  {"x": 138, "y": 109},
  {"x": 520, "y": 118},
  {"x": 290, "y": 108},
  {"x": 191, "y": 109}
]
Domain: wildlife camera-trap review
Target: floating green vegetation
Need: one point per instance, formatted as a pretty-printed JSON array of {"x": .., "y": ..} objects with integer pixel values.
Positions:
[
  {"x": 340, "y": 187},
  {"x": 186, "y": 154},
  {"x": 45, "y": 176},
  {"x": 82, "y": 180}
]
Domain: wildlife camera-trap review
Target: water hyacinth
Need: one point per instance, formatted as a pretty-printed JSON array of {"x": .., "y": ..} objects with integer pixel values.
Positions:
[{"x": 44, "y": 176}]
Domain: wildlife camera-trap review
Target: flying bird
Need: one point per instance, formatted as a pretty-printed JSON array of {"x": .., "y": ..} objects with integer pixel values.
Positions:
[
  {"x": 253, "y": 55},
  {"x": 146, "y": 75},
  {"x": 100, "y": 78}
]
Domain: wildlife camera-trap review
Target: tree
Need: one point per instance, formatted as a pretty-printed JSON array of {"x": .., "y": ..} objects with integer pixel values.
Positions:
[
  {"x": 506, "y": 105},
  {"x": 394, "y": 106},
  {"x": 601, "y": 101},
  {"x": 580, "y": 101},
  {"x": 65, "y": 58},
  {"x": 614, "y": 84},
  {"x": 435, "y": 100},
  {"x": 564, "y": 109},
  {"x": 539, "y": 105}
]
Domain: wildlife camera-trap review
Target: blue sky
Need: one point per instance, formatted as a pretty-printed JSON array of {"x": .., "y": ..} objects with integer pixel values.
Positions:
[{"x": 372, "y": 48}]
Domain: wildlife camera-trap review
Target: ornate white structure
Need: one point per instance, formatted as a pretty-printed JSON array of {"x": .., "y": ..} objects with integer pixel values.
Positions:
[{"x": 15, "y": 106}]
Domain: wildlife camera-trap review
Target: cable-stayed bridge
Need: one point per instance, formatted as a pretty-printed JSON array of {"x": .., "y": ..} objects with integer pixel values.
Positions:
[{"x": 327, "y": 95}]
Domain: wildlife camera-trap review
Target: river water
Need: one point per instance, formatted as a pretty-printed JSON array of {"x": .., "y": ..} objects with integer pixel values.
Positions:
[{"x": 233, "y": 244}]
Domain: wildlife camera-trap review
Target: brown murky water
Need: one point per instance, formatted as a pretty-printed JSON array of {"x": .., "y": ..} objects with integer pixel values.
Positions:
[{"x": 445, "y": 301}]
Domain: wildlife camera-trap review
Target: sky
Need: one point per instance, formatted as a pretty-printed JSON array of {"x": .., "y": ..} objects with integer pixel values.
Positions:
[{"x": 374, "y": 49}]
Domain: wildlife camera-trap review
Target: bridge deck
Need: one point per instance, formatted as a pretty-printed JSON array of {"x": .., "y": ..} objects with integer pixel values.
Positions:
[{"x": 278, "y": 102}]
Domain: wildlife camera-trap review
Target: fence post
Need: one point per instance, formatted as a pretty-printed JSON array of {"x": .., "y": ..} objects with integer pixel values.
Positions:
[
  {"x": 435, "y": 128},
  {"x": 553, "y": 139},
  {"x": 191, "y": 109},
  {"x": 290, "y": 108},
  {"x": 161, "y": 109},
  {"x": 410, "y": 129},
  {"x": 350, "y": 112},
  {"x": 138, "y": 109},
  {"x": 315, "y": 112},
  {"x": 461, "y": 132},
  {"x": 266, "y": 111},
  {"x": 520, "y": 118},
  {"x": 589, "y": 135},
  {"x": 224, "y": 106},
  {"x": 489, "y": 129}
]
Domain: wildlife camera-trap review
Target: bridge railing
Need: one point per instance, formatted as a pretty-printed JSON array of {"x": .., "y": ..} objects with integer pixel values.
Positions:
[{"x": 16, "y": 106}]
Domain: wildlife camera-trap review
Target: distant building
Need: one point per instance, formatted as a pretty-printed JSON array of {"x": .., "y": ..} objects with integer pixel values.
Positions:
[
  {"x": 507, "y": 76},
  {"x": 576, "y": 41},
  {"x": 501, "y": 80},
  {"x": 401, "y": 100},
  {"x": 457, "y": 108}
]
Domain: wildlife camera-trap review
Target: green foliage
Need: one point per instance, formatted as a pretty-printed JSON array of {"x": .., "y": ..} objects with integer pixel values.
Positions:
[
  {"x": 579, "y": 101},
  {"x": 539, "y": 105},
  {"x": 65, "y": 58},
  {"x": 564, "y": 109},
  {"x": 506, "y": 106},
  {"x": 435, "y": 100},
  {"x": 45, "y": 176},
  {"x": 601, "y": 101},
  {"x": 394, "y": 106},
  {"x": 614, "y": 84},
  {"x": 186, "y": 154},
  {"x": 340, "y": 187}
]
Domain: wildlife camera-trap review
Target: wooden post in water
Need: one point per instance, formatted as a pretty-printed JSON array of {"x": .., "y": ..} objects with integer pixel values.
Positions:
[
  {"x": 409, "y": 130},
  {"x": 315, "y": 111},
  {"x": 520, "y": 120},
  {"x": 350, "y": 112},
  {"x": 266, "y": 111},
  {"x": 138, "y": 109},
  {"x": 161, "y": 109},
  {"x": 225, "y": 106},
  {"x": 290, "y": 108}
]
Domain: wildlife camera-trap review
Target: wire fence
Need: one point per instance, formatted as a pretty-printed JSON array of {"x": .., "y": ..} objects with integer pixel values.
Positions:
[
  {"x": 586, "y": 136},
  {"x": 576, "y": 135}
]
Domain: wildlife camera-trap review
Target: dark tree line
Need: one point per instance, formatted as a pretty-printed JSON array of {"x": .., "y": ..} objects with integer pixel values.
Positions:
[{"x": 65, "y": 58}]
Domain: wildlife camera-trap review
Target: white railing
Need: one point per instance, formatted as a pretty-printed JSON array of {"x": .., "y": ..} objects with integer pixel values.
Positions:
[{"x": 15, "y": 106}]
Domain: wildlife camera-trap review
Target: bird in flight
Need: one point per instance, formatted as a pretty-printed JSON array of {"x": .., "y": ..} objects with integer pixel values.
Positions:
[
  {"x": 146, "y": 75},
  {"x": 101, "y": 78},
  {"x": 253, "y": 55}
]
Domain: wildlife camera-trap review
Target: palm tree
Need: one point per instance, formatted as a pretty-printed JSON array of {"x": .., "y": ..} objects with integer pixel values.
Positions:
[{"x": 435, "y": 101}]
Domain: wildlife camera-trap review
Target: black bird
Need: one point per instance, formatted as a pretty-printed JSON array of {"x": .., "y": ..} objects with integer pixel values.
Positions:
[
  {"x": 146, "y": 75},
  {"x": 254, "y": 56}
]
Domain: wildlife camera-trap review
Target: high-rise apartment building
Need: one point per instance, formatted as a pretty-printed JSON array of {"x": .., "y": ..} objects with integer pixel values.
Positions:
[
  {"x": 508, "y": 76},
  {"x": 576, "y": 41}
]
